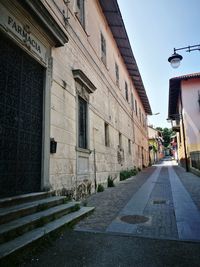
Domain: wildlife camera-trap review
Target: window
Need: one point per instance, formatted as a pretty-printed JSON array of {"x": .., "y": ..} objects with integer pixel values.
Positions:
[
  {"x": 129, "y": 146},
  {"x": 120, "y": 140},
  {"x": 132, "y": 101},
  {"x": 117, "y": 74},
  {"x": 81, "y": 12},
  {"x": 140, "y": 114},
  {"x": 82, "y": 123},
  {"x": 103, "y": 49},
  {"x": 126, "y": 91},
  {"x": 84, "y": 87},
  {"x": 106, "y": 128},
  {"x": 136, "y": 108}
]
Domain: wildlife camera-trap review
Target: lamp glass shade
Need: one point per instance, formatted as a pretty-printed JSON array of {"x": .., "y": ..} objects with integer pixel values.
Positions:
[{"x": 175, "y": 60}]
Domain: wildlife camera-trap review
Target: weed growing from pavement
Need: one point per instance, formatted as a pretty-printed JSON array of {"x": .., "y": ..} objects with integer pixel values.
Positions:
[
  {"x": 125, "y": 174},
  {"x": 100, "y": 188},
  {"x": 110, "y": 182}
]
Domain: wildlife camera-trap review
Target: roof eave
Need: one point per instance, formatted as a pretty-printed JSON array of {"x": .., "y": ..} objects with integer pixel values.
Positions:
[{"x": 112, "y": 14}]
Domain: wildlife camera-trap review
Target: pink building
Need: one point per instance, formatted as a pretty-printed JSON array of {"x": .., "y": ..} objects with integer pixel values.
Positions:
[{"x": 184, "y": 111}]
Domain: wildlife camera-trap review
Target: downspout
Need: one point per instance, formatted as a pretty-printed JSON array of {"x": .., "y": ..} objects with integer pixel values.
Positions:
[
  {"x": 76, "y": 182},
  {"x": 95, "y": 172},
  {"x": 183, "y": 127},
  {"x": 95, "y": 168}
]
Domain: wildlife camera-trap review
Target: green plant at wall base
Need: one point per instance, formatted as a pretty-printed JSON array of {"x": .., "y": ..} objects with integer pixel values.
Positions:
[
  {"x": 110, "y": 181},
  {"x": 128, "y": 173},
  {"x": 100, "y": 188}
]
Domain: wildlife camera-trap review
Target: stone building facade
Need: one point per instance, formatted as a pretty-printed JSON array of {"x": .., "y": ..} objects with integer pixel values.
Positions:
[{"x": 73, "y": 102}]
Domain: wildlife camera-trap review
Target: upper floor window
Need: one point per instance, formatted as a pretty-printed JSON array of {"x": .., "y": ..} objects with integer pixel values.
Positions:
[
  {"x": 140, "y": 115},
  {"x": 103, "y": 49},
  {"x": 136, "y": 111},
  {"x": 120, "y": 140},
  {"x": 82, "y": 123},
  {"x": 117, "y": 73},
  {"x": 142, "y": 119},
  {"x": 84, "y": 87},
  {"x": 106, "y": 128},
  {"x": 132, "y": 101},
  {"x": 126, "y": 91},
  {"x": 81, "y": 11},
  {"x": 129, "y": 146}
]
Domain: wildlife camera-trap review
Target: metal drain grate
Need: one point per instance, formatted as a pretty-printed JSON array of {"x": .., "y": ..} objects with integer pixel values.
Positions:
[
  {"x": 159, "y": 201},
  {"x": 134, "y": 219}
]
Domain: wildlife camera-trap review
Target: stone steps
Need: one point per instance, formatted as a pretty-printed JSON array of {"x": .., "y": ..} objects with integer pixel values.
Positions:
[
  {"x": 11, "y": 213},
  {"x": 29, "y": 237},
  {"x": 10, "y": 201},
  {"x": 24, "y": 224},
  {"x": 25, "y": 218}
]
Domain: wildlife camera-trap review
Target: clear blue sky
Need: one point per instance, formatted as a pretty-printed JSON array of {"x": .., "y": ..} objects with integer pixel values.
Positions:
[{"x": 154, "y": 28}]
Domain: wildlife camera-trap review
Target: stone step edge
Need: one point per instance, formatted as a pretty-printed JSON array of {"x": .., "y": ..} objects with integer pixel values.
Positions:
[
  {"x": 9, "y": 201},
  {"x": 35, "y": 217},
  {"x": 23, "y": 209},
  {"x": 30, "y": 237}
]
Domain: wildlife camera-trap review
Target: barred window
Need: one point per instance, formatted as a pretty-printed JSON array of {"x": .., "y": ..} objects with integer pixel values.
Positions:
[
  {"x": 103, "y": 49},
  {"x": 129, "y": 146},
  {"x": 117, "y": 73},
  {"x": 132, "y": 101},
  {"x": 126, "y": 91},
  {"x": 106, "y": 128},
  {"x": 136, "y": 111},
  {"x": 120, "y": 140},
  {"x": 82, "y": 123},
  {"x": 81, "y": 12}
]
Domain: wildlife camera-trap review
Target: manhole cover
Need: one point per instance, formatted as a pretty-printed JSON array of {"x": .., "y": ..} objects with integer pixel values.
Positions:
[
  {"x": 159, "y": 201},
  {"x": 134, "y": 219}
]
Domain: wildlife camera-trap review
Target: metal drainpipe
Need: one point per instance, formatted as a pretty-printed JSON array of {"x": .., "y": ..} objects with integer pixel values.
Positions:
[
  {"x": 95, "y": 171},
  {"x": 183, "y": 126}
]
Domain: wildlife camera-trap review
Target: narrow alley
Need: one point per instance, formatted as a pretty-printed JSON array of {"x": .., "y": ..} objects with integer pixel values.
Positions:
[
  {"x": 146, "y": 220},
  {"x": 165, "y": 206}
]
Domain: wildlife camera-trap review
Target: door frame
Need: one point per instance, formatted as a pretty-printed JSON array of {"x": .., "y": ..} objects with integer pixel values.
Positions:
[{"x": 48, "y": 66}]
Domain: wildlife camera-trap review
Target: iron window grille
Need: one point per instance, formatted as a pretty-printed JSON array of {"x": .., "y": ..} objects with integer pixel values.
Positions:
[
  {"x": 103, "y": 49},
  {"x": 81, "y": 12},
  {"x": 82, "y": 123}
]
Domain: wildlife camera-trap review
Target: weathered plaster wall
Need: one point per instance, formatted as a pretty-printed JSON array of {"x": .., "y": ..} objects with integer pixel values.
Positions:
[{"x": 70, "y": 168}]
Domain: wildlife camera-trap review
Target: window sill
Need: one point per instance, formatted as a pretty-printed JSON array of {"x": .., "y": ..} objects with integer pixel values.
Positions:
[{"x": 84, "y": 150}]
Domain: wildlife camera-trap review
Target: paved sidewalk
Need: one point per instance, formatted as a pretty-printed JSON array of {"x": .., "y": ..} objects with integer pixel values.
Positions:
[
  {"x": 109, "y": 203},
  {"x": 164, "y": 194}
]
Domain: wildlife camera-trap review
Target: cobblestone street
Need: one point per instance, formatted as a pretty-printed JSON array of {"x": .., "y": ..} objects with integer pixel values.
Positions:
[{"x": 165, "y": 194}]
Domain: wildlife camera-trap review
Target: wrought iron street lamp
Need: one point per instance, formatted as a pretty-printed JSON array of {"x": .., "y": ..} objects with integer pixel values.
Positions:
[{"x": 175, "y": 58}]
